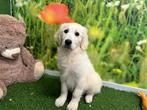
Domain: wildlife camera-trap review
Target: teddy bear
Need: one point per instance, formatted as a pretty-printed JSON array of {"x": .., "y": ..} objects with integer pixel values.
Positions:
[{"x": 16, "y": 62}]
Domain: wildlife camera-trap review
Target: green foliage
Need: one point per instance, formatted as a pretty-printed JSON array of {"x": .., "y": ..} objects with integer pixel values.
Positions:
[{"x": 115, "y": 30}]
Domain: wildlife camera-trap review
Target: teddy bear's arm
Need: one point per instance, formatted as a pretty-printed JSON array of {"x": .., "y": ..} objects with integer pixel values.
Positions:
[
  {"x": 3, "y": 89},
  {"x": 27, "y": 58}
]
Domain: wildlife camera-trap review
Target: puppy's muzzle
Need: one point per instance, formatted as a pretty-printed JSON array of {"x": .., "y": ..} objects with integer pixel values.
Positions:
[
  {"x": 68, "y": 43},
  {"x": 11, "y": 53},
  {"x": 15, "y": 55}
]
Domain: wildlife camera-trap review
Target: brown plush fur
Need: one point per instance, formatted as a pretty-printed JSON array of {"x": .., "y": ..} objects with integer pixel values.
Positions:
[{"x": 22, "y": 68}]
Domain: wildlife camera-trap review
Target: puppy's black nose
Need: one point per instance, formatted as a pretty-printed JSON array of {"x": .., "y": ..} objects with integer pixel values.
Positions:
[{"x": 68, "y": 42}]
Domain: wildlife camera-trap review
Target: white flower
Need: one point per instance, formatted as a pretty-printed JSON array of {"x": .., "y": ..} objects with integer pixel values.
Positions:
[
  {"x": 142, "y": 2},
  {"x": 142, "y": 42},
  {"x": 139, "y": 43},
  {"x": 110, "y": 4},
  {"x": 20, "y": 17},
  {"x": 125, "y": 7},
  {"x": 139, "y": 4},
  {"x": 10, "y": 100},
  {"x": 139, "y": 48},
  {"x": 20, "y": 3},
  {"x": 117, "y": 3},
  {"x": 138, "y": 7}
]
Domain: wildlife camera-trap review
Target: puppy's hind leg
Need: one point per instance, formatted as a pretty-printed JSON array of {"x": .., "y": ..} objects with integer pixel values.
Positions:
[
  {"x": 90, "y": 93},
  {"x": 95, "y": 88},
  {"x": 62, "y": 98}
]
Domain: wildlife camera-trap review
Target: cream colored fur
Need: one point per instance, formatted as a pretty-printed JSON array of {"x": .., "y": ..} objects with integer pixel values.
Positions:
[{"x": 77, "y": 72}]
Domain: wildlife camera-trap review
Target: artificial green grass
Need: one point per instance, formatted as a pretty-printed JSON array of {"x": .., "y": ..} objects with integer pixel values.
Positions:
[{"x": 41, "y": 95}]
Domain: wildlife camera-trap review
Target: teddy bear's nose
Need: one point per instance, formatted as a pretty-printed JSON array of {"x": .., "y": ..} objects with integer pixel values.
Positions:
[{"x": 15, "y": 55}]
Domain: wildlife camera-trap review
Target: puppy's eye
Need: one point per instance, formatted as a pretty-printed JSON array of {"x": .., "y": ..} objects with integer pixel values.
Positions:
[
  {"x": 66, "y": 31},
  {"x": 77, "y": 34},
  {"x": 6, "y": 47}
]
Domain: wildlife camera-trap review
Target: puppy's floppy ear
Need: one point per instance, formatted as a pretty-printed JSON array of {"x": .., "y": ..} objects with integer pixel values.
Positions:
[
  {"x": 58, "y": 34},
  {"x": 57, "y": 37},
  {"x": 84, "y": 41}
]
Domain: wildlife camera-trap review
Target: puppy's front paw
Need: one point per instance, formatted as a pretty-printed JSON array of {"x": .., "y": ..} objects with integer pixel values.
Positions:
[
  {"x": 72, "y": 106},
  {"x": 60, "y": 101},
  {"x": 88, "y": 98}
]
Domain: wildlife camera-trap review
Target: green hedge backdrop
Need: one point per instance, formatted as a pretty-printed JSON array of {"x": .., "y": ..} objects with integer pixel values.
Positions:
[{"x": 5, "y": 7}]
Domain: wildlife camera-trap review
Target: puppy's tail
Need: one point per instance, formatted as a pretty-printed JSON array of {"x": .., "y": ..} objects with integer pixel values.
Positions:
[{"x": 52, "y": 73}]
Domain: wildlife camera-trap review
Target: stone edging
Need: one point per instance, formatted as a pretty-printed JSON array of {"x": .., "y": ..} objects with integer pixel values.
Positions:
[{"x": 105, "y": 83}]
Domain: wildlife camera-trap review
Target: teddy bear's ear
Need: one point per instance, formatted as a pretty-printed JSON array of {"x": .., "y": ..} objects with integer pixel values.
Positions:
[
  {"x": 22, "y": 23},
  {"x": 20, "y": 26}
]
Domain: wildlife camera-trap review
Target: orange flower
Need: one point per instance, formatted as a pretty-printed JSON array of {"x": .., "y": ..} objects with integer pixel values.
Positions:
[{"x": 55, "y": 13}]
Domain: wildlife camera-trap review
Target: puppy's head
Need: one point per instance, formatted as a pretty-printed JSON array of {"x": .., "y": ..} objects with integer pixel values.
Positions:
[{"x": 71, "y": 36}]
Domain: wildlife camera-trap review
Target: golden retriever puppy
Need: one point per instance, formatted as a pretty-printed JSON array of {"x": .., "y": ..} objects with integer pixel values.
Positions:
[{"x": 77, "y": 72}]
